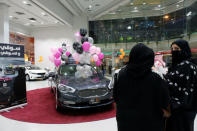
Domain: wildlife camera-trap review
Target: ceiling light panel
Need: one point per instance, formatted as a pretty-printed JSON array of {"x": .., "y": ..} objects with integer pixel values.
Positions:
[
  {"x": 93, "y": 5},
  {"x": 30, "y": 11}
]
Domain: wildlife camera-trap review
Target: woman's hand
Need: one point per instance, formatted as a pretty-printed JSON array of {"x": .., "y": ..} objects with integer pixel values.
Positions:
[{"x": 166, "y": 113}]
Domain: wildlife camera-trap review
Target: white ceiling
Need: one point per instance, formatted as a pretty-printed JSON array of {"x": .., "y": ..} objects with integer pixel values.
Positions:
[
  {"x": 143, "y": 8},
  {"x": 60, "y": 12},
  {"x": 29, "y": 10}
]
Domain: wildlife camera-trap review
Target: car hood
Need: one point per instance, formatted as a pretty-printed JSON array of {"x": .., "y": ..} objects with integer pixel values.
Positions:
[
  {"x": 37, "y": 71},
  {"x": 80, "y": 83}
]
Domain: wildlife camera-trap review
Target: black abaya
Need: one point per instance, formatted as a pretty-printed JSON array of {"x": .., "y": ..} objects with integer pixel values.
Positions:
[{"x": 140, "y": 94}]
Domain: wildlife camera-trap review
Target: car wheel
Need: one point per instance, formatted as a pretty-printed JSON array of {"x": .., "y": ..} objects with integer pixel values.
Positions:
[
  {"x": 52, "y": 90},
  {"x": 27, "y": 78},
  {"x": 58, "y": 108}
]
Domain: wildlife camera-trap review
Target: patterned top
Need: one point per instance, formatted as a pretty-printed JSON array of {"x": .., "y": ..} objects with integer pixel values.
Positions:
[{"x": 182, "y": 81}]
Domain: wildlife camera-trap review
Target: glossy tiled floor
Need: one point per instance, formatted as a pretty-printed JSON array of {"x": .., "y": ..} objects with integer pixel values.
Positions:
[{"x": 12, "y": 125}]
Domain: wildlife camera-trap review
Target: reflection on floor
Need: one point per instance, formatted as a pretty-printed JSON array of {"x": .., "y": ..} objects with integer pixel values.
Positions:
[{"x": 102, "y": 125}]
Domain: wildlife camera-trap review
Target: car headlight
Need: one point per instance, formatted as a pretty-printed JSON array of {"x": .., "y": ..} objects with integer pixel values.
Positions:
[
  {"x": 110, "y": 84},
  {"x": 66, "y": 89},
  {"x": 32, "y": 73}
]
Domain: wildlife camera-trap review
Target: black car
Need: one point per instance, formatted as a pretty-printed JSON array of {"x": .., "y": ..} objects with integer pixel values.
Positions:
[
  {"x": 73, "y": 92},
  {"x": 7, "y": 76}
]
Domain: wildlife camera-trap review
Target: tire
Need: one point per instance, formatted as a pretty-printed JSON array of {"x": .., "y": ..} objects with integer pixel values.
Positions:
[
  {"x": 52, "y": 91},
  {"x": 27, "y": 78},
  {"x": 58, "y": 108}
]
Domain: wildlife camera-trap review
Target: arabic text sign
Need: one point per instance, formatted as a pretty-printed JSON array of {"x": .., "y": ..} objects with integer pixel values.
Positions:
[{"x": 11, "y": 50}]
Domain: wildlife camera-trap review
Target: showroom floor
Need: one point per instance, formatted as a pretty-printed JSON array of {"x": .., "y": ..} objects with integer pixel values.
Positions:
[
  {"x": 102, "y": 125},
  {"x": 8, "y": 124}
]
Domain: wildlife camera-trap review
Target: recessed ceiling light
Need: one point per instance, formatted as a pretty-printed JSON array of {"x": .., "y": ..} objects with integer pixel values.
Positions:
[
  {"x": 135, "y": 11},
  {"x": 144, "y": 3},
  {"x": 181, "y": 1},
  {"x": 43, "y": 13},
  {"x": 27, "y": 24},
  {"x": 112, "y": 13},
  {"x": 166, "y": 17},
  {"x": 97, "y": 5},
  {"x": 20, "y": 13},
  {"x": 159, "y": 5},
  {"x": 189, "y": 13},
  {"x": 131, "y": 3},
  {"x": 135, "y": 8},
  {"x": 129, "y": 27},
  {"x": 24, "y": 2},
  {"x": 90, "y": 6},
  {"x": 11, "y": 16},
  {"x": 177, "y": 6},
  {"x": 32, "y": 19}
]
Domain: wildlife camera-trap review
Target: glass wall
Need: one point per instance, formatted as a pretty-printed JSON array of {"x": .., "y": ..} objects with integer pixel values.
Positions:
[{"x": 145, "y": 29}]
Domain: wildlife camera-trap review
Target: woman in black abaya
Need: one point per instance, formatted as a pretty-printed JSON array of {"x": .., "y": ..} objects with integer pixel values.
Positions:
[
  {"x": 140, "y": 94},
  {"x": 182, "y": 79}
]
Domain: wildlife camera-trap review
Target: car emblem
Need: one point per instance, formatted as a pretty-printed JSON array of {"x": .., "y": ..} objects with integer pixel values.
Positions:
[{"x": 4, "y": 84}]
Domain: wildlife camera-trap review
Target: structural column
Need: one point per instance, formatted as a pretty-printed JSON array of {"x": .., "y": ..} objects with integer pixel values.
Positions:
[{"x": 4, "y": 23}]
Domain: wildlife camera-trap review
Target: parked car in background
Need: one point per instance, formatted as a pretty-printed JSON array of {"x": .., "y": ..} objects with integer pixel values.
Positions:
[
  {"x": 33, "y": 72},
  {"x": 77, "y": 93}
]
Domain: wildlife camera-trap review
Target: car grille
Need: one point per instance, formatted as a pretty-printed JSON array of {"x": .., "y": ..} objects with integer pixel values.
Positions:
[
  {"x": 40, "y": 73},
  {"x": 92, "y": 92}
]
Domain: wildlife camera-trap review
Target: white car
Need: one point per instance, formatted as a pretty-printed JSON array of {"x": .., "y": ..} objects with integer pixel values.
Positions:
[{"x": 33, "y": 72}]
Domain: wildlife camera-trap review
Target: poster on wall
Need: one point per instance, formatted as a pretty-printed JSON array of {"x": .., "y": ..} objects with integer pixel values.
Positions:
[
  {"x": 12, "y": 76},
  {"x": 28, "y": 43}
]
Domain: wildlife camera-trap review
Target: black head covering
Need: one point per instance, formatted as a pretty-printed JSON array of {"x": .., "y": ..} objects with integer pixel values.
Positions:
[
  {"x": 141, "y": 60},
  {"x": 182, "y": 55},
  {"x": 185, "y": 49}
]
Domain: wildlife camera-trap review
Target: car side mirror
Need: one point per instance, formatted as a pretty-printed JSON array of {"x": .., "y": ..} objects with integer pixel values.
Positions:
[{"x": 52, "y": 74}]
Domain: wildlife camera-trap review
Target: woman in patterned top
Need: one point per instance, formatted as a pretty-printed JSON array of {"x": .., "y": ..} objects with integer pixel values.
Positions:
[{"x": 182, "y": 81}]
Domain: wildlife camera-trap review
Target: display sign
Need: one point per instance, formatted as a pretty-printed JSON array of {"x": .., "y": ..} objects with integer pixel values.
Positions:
[
  {"x": 12, "y": 76},
  {"x": 11, "y": 54},
  {"x": 11, "y": 50}
]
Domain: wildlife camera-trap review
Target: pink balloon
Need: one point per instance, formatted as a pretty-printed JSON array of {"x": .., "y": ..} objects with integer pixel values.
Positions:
[
  {"x": 53, "y": 50},
  {"x": 76, "y": 57},
  {"x": 57, "y": 62},
  {"x": 67, "y": 53},
  {"x": 60, "y": 50},
  {"x": 98, "y": 63},
  {"x": 51, "y": 58},
  {"x": 92, "y": 50},
  {"x": 95, "y": 57},
  {"x": 98, "y": 50},
  {"x": 78, "y": 36},
  {"x": 57, "y": 55},
  {"x": 101, "y": 56},
  {"x": 86, "y": 46}
]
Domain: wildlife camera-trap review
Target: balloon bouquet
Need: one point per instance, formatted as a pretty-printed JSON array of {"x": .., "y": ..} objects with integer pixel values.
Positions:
[
  {"x": 83, "y": 52},
  {"x": 159, "y": 64}
]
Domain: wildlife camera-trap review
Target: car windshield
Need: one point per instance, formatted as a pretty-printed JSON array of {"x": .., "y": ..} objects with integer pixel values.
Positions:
[
  {"x": 70, "y": 70},
  {"x": 33, "y": 68},
  {"x": 67, "y": 70}
]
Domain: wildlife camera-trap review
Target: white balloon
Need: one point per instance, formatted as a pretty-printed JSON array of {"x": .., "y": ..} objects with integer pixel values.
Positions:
[{"x": 91, "y": 40}]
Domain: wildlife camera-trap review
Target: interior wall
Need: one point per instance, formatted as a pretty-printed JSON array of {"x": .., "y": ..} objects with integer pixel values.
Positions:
[
  {"x": 20, "y": 29},
  {"x": 47, "y": 38},
  {"x": 53, "y": 37}
]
